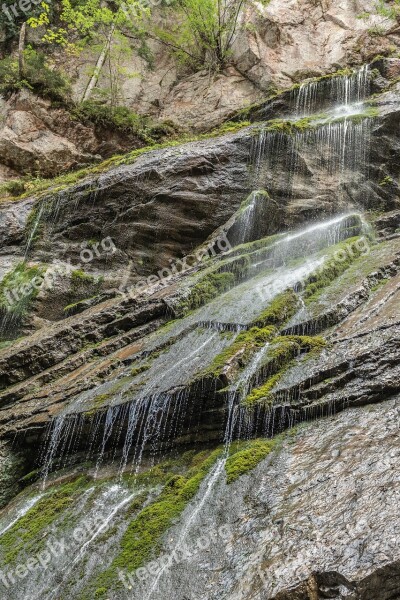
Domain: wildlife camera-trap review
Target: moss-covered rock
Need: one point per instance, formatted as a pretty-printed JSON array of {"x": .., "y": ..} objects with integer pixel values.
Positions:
[
  {"x": 243, "y": 461},
  {"x": 282, "y": 351}
]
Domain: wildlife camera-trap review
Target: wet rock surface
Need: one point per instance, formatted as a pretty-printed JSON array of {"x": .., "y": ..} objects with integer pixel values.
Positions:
[
  {"x": 309, "y": 522},
  {"x": 128, "y": 378}
]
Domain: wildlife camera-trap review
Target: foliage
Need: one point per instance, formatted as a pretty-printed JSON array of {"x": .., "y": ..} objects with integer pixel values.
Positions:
[
  {"x": 15, "y": 187},
  {"x": 102, "y": 26},
  {"x": 208, "y": 288},
  {"x": 124, "y": 120},
  {"x": 39, "y": 77},
  {"x": 88, "y": 21},
  {"x": 204, "y": 32},
  {"x": 17, "y": 290},
  {"x": 10, "y": 22}
]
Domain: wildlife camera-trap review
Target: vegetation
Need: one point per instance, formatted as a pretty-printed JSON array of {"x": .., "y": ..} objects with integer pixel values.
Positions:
[
  {"x": 123, "y": 119},
  {"x": 282, "y": 308},
  {"x": 283, "y": 350},
  {"x": 245, "y": 460},
  {"x": 142, "y": 539},
  {"x": 19, "y": 288},
  {"x": 140, "y": 369},
  {"x": 384, "y": 8},
  {"x": 386, "y": 181},
  {"x": 243, "y": 348},
  {"x": 38, "y": 77},
  {"x": 26, "y": 533},
  {"x": 208, "y": 288},
  {"x": 342, "y": 257},
  {"x": 204, "y": 33}
]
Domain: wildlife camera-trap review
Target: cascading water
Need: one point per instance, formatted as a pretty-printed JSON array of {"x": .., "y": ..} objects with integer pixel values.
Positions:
[
  {"x": 338, "y": 90},
  {"x": 340, "y": 137},
  {"x": 147, "y": 410},
  {"x": 141, "y": 412}
]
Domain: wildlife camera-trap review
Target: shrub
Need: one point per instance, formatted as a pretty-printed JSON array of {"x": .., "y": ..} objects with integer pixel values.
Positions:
[
  {"x": 124, "y": 120},
  {"x": 204, "y": 32},
  {"x": 39, "y": 77}
]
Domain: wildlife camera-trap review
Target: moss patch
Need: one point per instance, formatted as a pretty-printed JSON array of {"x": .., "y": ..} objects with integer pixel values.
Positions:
[
  {"x": 211, "y": 286},
  {"x": 246, "y": 460},
  {"x": 342, "y": 257},
  {"x": 282, "y": 308},
  {"x": 243, "y": 347},
  {"x": 283, "y": 350},
  {"x": 140, "y": 369},
  {"x": 26, "y": 534},
  {"x": 142, "y": 539}
]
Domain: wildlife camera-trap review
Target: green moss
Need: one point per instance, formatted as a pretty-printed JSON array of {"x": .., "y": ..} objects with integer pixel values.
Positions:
[
  {"x": 141, "y": 369},
  {"x": 368, "y": 113},
  {"x": 76, "y": 307},
  {"x": 342, "y": 257},
  {"x": 211, "y": 286},
  {"x": 250, "y": 247},
  {"x": 380, "y": 284},
  {"x": 142, "y": 539},
  {"x": 246, "y": 460},
  {"x": 280, "y": 355},
  {"x": 30, "y": 477},
  {"x": 27, "y": 533},
  {"x": 79, "y": 276},
  {"x": 262, "y": 395},
  {"x": 386, "y": 181},
  {"x": 282, "y": 308},
  {"x": 291, "y": 127},
  {"x": 244, "y": 346}
]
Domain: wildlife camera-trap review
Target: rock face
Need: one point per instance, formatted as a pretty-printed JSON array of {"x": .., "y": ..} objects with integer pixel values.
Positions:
[
  {"x": 294, "y": 337},
  {"x": 169, "y": 201},
  {"x": 36, "y": 138},
  {"x": 278, "y": 44},
  {"x": 309, "y": 522}
]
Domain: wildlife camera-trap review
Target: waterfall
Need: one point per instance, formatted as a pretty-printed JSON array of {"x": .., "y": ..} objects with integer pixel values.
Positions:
[
  {"x": 149, "y": 411},
  {"x": 339, "y": 90},
  {"x": 20, "y": 512},
  {"x": 340, "y": 138}
]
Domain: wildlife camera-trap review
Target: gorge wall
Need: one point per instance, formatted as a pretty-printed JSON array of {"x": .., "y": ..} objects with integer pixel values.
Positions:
[{"x": 199, "y": 351}]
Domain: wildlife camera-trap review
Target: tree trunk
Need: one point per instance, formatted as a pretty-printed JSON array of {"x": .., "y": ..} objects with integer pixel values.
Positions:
[
  {"x": 99, "y": 65},
  {"x": 21, "y": 48}
]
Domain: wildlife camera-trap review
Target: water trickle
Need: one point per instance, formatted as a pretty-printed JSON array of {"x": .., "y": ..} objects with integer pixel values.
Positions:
[
  {"x": 340, "y": 141},
  {"x": 342, "y": 90},
  {"x": 21, "y": 511},
  {"x": 34, "y": 229}
]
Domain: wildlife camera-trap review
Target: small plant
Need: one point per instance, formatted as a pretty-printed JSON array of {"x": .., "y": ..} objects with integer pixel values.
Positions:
[
  {"x": 386, "y": 181},
  {"x": 19, "y": 288},
  {"x": 14, "y": 188}
]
